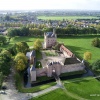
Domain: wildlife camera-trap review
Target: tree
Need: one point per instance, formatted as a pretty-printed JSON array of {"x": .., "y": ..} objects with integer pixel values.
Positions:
[
  {"x": 24, "y": 31},
  {"x": 87, "y": 55},
  {"x": 20, "y": 61},
  {"x": 21, "y": 47},
  {"x": 96, "y": 65},
  {"x": 12, "y": 32},
  {"x": 37, "y": 45},
  {"x": 96, "y": 42},
  {"x": 5, "y": 62},
  {"x": 2, "y": 39},
  {"x": 20, "y": 65}
]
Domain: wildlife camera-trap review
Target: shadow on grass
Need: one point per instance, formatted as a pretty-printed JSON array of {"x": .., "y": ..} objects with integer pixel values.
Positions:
[
  {"x": 79, "y": 81},
  {"x": 75, "y": 49}
]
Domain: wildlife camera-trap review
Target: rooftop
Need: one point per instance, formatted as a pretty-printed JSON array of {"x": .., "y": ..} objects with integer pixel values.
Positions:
[{"x": 50, "y": 34}]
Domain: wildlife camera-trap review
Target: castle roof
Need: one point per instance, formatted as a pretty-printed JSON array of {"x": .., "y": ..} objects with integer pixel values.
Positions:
[
  {"x": 33, "y": 53},
  {"x": 50, "y": 34}
]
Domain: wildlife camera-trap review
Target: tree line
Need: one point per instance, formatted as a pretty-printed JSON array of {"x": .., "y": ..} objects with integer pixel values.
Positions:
[{"x": 26, "y": 31}]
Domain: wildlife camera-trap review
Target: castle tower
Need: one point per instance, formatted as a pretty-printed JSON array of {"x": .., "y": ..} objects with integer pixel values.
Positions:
[{"x": 50, "y": 39}]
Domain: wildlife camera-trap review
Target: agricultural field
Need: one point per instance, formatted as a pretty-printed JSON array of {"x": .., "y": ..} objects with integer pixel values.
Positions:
[
  {"x": 78, "y": 45},
  {"x": 65, "y": 17},
  {"x": 77, "y": 89}
]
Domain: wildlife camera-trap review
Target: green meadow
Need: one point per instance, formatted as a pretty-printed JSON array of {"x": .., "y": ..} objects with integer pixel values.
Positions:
[{"x": 65, "y": 17}]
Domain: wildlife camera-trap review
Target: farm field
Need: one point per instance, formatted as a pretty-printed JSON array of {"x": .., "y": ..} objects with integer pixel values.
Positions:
[
  {"x": 82, "y": 88},
  {"x": 77, "y": 44},
  {"x": 65, "y": 17}
]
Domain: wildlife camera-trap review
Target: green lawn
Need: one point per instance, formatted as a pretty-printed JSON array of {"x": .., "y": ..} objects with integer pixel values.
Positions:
[
  {"x": 80, "y": 45},
  {"x": 65, "y": 17},
  {"x": 54, "y": 95},
  {"x": 87, "y": 88}
]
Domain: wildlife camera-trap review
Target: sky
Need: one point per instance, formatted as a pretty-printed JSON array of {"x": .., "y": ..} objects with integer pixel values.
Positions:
[{"x": 49, "y": 4}]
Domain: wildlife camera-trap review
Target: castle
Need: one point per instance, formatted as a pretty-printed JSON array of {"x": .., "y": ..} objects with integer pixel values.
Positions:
[{"x": 64, "y": 62}]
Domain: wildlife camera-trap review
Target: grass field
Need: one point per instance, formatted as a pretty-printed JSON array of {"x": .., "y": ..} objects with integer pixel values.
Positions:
[
  {"x": 87, "y": 88},
  {"x": 54, "y": 95},
  {"x": 80, "y": 45},
  {"x": 64, "y": 17},
  {"x": 77, "y": 45}
]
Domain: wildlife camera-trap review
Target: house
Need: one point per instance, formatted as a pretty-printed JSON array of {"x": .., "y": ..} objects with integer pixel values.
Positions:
[{"x": 50, "y": 39}]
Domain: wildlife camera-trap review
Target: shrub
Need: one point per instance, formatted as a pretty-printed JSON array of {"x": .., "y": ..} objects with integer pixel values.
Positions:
[
  {"x": 96, "y": 65},
  {"x": 17, "y": 81},
  {"x": 96, "y": 42}
]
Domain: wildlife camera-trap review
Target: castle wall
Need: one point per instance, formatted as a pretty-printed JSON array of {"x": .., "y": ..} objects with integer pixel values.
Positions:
[
  {"x": 33, "y": 76},
  {"x": 49, "y": 71},
  {"x": 73, "y": 67},
  {"x": 41, "y": 71},
  {"x": 58, "y": 69}
]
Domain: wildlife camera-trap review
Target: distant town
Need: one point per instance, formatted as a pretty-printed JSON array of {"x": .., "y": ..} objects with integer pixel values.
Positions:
[{"x": 47, "y": 19}]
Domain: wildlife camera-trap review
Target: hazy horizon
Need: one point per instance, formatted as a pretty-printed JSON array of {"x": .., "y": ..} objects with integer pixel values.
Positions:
[{"x": 51, "y": 5}]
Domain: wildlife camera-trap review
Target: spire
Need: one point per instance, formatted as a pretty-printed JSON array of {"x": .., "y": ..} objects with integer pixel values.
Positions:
[{"x": 54, "y": 31}]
